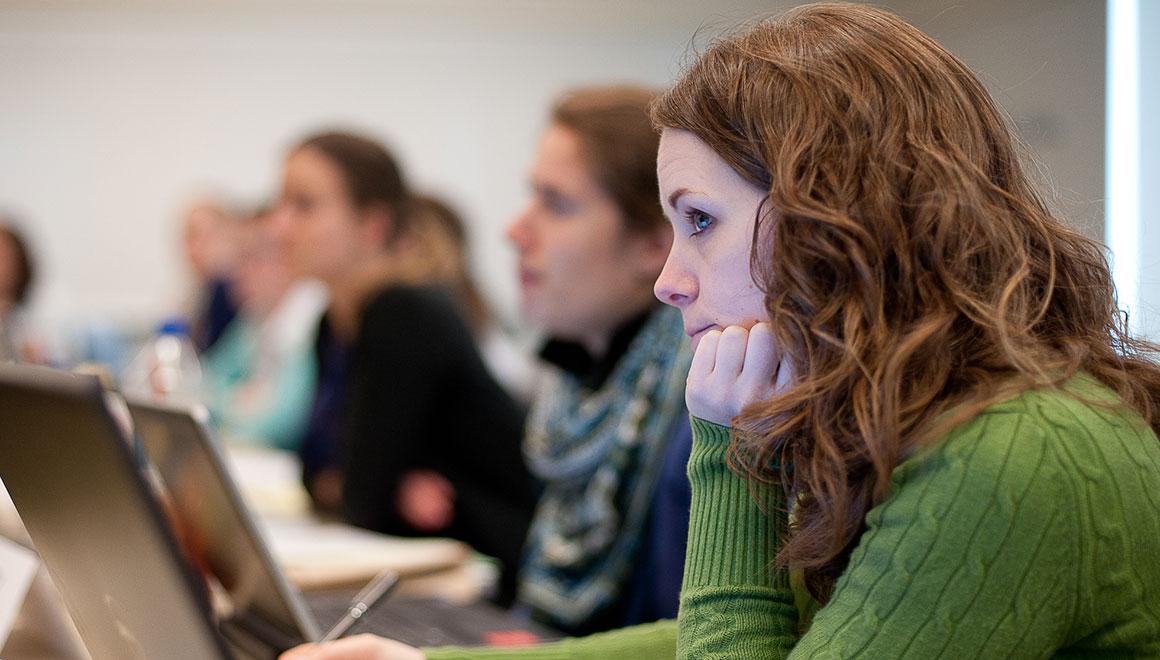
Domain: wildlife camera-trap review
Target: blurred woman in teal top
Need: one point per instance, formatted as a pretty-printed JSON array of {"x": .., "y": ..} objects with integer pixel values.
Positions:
[{"x": 260, "y": 373}]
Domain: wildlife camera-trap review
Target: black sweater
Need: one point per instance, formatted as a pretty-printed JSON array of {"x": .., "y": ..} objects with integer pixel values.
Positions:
[{"x": 420, "y": 397}]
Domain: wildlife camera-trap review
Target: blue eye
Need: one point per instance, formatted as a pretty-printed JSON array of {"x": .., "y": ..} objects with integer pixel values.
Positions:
[{"x": 699, "y": 221}]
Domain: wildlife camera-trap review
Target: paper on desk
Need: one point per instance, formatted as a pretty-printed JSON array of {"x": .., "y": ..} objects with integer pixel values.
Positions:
[
  {"x": 17, "y": 568},
  {"x": 270, "y": 480},
  {"x": 317, "y": 555}
]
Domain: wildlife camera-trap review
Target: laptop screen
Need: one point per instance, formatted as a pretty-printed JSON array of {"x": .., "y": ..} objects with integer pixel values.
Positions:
[{"x": 213, "y": 522}]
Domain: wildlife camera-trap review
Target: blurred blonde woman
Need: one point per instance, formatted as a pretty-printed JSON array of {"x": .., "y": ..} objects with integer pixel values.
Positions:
[{"x": 434, "y": 251}]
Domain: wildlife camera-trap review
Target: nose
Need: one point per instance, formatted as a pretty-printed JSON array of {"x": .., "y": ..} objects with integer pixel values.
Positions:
[
  {"x": 279, "y": 222},
  {"x": 675, "y": 285},
  {"x": 519, "y": 230}
]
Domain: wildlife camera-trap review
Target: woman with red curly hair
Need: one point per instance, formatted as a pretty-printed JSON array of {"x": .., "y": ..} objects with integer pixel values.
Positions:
[{"x": 911, "y": 388}]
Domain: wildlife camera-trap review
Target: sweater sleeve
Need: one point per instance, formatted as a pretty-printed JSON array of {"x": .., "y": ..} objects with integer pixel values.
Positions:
[
  {"x": 734, "y": 603},
  {"x": 650, "y": 641},
  {"x": 973, "y": 555}
]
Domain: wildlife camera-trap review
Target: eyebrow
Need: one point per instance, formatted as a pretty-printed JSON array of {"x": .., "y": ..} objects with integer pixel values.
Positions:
[{"x": 676, "y": 194}]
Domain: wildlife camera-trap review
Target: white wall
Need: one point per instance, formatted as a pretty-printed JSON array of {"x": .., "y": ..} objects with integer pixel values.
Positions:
[
  {"x": 1146, "y": 317},
  {"x": 112, "y": 115}
]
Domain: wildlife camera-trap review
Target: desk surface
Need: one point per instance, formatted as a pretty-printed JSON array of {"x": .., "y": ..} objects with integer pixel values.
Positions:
[{"x": 317, "y": 554}]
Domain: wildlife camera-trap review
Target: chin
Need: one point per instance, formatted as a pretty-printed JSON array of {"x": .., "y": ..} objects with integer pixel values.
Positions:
[
  {"x": 555, "y": 326},
  {"x": 530, "y": 310}
]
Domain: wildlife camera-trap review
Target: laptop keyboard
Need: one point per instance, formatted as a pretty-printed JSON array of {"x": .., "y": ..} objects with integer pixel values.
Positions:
[{"x": 425, "y": 622}]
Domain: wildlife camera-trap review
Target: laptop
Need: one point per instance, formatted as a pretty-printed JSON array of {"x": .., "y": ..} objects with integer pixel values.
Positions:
[
  {"x": 226, "y": 538},
  {"x": 97, "y": 525},
  {"x": 138, "y": 533},
  {"x": 216, "y": 525}
]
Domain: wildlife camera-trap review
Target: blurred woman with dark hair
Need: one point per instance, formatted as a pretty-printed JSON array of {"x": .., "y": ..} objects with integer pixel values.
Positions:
[{"x": 409, "y": 433}]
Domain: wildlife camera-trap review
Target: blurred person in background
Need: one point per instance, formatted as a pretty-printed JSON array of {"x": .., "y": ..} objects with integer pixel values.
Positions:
[
  {"x": 409, "y": 433},
  {"x": 210, "y": 245},
  {"x": 40, "y": 629},
  {"x": 17, "y": 275},
  {"x": 608, "y": 433},
  {"x": 260, "y": 373},
  {"x": 433, "y": 249}
]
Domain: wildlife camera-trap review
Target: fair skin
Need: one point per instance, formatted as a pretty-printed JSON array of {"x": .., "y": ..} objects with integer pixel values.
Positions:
[
  {"x": 262, "y": 275},
  {"x": 707, "y": 276},
  {"x": 426, "y": 500},
  {"x": 327, "y": 236},
  {"x": 209, "y": 240},
  {"x": 582, "y": 274},
  {"x": 358, "y": 647}
]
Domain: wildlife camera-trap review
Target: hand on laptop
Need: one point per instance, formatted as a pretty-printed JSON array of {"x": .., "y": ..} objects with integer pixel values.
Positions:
[{"x": 358, "y": 647}]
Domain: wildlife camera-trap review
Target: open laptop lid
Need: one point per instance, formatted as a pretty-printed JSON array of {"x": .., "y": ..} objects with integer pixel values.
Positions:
[
  {"x": 180, "y": 444},
  {"x": 95, "y": 522}
]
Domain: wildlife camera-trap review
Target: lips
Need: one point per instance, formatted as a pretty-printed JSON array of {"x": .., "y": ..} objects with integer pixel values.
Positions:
[
  {"x": 695, "y": 335},
  {"x": 528, "y": 277}
]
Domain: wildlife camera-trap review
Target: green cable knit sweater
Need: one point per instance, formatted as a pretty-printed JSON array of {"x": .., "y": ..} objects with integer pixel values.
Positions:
[{"x": 1030, "y": 531}]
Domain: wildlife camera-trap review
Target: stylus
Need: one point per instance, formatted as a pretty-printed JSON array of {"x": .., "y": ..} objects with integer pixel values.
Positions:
[{"x": 375, "y": 592}]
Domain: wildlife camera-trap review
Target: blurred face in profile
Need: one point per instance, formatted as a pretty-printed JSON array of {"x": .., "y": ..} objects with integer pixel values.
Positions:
[
  {"x": 263, "y": 274},
  {"x": 322, "y": 228},
  {"x": 209, "y": 239},
  {"x": 712, "y": 210},
  {"x": 580, "y": 271}
]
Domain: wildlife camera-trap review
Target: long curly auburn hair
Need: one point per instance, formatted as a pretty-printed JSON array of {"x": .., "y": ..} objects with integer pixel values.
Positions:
[{"x": 912, "y": 273}]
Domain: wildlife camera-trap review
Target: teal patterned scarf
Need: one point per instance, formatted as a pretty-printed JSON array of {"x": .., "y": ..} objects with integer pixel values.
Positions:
[{"x": 598, "y": 452}]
